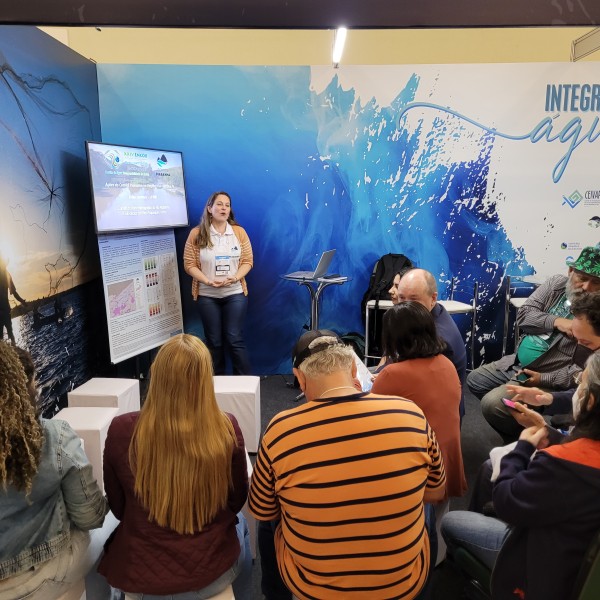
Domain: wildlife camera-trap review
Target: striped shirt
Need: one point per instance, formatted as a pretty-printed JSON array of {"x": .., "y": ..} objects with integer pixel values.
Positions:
[{"x": 347, "y": 477}]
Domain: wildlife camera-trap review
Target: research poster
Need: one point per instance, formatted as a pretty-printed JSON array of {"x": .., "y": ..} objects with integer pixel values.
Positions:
[{"x": 141, "y": 290}]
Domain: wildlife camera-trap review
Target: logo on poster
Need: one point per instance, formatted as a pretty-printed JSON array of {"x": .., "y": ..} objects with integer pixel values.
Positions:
[
  {"x": 573, "y": 200},
  {"x": 112, "y": 158}
]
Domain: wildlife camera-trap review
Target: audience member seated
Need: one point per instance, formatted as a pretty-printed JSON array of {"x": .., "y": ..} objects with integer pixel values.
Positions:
[
  {"x": 547, "y": 355},
  {"x": 549, "y": 503},
  {"x": 343, "y": 480},
  {"x": 419, "y": 286},
  {"x": 49, "y": 499},
  {"x": 175, "y": 476},
  {"x": 417, "y": 370},
  {"x": 586, "y": 330}
]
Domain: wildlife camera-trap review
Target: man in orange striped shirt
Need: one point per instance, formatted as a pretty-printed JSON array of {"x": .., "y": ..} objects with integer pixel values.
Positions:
[{"x": 347, "y": 474}]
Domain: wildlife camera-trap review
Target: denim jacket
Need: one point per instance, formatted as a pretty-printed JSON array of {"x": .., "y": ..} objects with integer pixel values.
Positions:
[{"x": 64, "y": 494}]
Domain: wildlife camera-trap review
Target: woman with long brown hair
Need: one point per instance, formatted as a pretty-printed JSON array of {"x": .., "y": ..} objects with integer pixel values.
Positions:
[
  {"x": 175, "y": 475},
  {"x": 49, "y": 498},
  {"x": 218, "y": 256}
]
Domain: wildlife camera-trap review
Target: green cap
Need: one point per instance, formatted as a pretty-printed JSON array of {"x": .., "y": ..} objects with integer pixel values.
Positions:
[{"x": 588, "y": 261}]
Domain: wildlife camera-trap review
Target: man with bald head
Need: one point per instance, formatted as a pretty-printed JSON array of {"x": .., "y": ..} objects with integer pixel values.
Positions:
[{"x": 419, "y": 286}]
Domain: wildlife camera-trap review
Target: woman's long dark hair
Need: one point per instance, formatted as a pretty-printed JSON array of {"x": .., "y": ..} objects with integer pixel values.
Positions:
[
  {"x": 409, "y": 332},
  {"x": 587, "y": 424}
]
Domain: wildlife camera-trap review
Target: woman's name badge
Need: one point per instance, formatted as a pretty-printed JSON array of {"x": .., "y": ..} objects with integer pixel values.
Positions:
[{"x": 222, "y": 266}]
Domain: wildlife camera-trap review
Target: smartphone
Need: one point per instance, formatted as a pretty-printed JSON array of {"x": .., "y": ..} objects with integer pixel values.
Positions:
[
  {"x": 509, "y": 403},
  {"x": 520, "y": 378}
]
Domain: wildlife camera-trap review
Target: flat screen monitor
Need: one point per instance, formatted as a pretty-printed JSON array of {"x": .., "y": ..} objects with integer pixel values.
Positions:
[{"x": 136, "y": 188}]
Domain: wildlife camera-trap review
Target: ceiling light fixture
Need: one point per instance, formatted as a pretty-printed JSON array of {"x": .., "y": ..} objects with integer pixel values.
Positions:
[{"x": 338, "y": 45}]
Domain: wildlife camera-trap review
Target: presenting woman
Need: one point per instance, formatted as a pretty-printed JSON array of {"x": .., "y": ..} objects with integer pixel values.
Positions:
[
  {"x": 218, "y": 256},
  {"x": 49, "y": 498},
  {"x": 417, "y": 370},
  {"x": 175, "y": 476}
]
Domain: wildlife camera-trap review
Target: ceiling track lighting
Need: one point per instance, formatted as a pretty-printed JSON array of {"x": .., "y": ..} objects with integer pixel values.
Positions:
[{"x": 585, "y": 45}]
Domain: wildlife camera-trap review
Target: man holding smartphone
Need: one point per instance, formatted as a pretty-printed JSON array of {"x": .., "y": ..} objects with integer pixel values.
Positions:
[
  {"x": 548, "y": 355},
  {"x": 586, "y": 330}
]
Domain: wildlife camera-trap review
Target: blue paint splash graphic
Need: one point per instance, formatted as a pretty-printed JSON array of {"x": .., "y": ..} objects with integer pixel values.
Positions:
[{"x": 309, "y": 171}]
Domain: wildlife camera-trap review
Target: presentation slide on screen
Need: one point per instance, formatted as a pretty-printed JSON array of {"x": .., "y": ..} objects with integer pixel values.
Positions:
[
  {"x": 141, "y": 289},
  {"x": 136, "y": 188}
]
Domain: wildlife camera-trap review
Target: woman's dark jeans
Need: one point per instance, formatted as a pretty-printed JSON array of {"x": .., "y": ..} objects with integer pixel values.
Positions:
[{"x": 223, "y": 322}]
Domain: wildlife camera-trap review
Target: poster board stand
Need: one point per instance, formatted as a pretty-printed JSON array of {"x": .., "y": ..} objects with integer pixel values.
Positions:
[{"x": 141, "y": 290}]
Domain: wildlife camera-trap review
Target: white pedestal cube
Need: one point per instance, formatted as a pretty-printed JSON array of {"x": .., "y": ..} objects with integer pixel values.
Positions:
[
  {"x": 91, "y": 425},
  {"x": 123, "y": 394},
  {"x": 240, "y": 396}
]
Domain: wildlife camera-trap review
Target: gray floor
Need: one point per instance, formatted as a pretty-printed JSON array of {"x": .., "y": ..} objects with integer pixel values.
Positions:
[{"x": 478, "y": 438}]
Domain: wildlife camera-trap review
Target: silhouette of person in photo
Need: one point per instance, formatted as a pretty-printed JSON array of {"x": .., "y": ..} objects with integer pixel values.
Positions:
[{"x": 6, "y": 286}]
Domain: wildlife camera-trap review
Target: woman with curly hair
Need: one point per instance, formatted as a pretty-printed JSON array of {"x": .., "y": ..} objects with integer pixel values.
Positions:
[
  {"x": 49, "y": 498},
  {"x": 175, "y": 475}
]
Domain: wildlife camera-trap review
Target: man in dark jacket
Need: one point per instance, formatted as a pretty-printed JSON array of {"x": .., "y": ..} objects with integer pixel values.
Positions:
[{"x": 548, "y": 506}]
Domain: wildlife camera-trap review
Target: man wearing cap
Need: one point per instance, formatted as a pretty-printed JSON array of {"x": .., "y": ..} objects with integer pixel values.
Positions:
[
  {"x": 347, "y": 475},
  {"x": 546, "y": 356}
]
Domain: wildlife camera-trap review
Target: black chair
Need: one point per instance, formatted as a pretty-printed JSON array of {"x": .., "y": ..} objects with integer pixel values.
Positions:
[
  {"x": 478, "y": 575},
  {"x": 587, "y": 584}
]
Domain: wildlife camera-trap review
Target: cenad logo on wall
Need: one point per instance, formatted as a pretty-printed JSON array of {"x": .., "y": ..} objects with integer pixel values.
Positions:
[
  {"x": 573, "y": 200},
  {"x": 162, "y": 161}
]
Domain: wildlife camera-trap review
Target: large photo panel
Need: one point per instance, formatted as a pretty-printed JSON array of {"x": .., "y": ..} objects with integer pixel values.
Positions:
[{"x": 48, "y": 254}]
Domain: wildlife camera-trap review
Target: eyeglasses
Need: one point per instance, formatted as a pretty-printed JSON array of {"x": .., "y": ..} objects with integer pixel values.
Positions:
[{"x": 578, "y": 378}]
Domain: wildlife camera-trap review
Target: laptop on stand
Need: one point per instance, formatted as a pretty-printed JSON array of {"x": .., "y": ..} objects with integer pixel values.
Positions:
[{"x": 319, "y": 272}]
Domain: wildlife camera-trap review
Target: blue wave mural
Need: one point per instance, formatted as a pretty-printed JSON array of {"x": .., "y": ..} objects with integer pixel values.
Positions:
[{"x": 310, "y": 170}]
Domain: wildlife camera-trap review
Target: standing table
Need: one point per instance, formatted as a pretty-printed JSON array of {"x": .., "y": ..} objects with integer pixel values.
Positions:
[{"x": 315, "y": 288}]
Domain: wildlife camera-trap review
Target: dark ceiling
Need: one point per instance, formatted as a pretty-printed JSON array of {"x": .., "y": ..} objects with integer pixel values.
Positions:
[{"x": 303, "y": 14}]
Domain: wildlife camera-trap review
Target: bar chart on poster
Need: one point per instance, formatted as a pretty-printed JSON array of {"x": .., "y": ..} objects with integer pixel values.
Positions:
[{"x": 141, "y": 290}]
